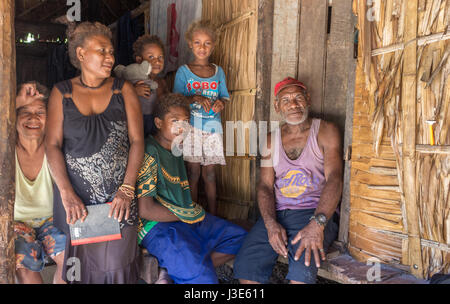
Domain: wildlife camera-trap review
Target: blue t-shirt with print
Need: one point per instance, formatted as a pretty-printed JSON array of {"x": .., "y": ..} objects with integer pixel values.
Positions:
[{"x": 189, "y": 84}]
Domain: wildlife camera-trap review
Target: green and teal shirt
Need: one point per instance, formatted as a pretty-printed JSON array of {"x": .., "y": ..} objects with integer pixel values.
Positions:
[{"x": 163, "y": 176}]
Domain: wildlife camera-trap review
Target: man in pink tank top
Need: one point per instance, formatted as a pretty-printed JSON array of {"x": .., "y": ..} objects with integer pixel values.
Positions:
[{"x": 298, "y": 194}]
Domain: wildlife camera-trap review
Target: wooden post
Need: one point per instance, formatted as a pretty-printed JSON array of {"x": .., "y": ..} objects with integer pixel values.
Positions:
[
  {"x": 7, "y": 140},
  {"x": 313, "y": 50},
  {"x": 286, "y": 31},
  {"x": 263, "y": 84},
  {"x": 340, "y": 63},
  {"x": 339, "y": 91},
  {"x": 409, "y": 100}
]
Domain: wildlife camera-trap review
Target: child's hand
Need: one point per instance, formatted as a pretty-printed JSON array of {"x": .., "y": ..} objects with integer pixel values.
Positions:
[
  {"x": 142, "y": 89},
  {"x": 203, "y": 101},
  {"x": 218, "y": 107}
]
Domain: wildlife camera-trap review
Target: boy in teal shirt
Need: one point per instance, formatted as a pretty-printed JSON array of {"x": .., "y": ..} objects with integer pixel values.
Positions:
[{"x": 186, "y": 240}]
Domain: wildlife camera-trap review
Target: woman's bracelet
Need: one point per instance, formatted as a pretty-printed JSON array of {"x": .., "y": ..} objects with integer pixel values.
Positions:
[
  {"x": 127, "y": 190},
  {"x": 129, "y": 187}
]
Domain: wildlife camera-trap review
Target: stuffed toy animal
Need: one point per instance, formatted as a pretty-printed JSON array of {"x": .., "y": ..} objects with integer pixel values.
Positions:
[{"x": 139, "y": 72}]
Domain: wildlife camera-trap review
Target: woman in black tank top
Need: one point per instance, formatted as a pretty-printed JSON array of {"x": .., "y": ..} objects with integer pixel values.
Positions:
[{"x": 95, "y": 147}]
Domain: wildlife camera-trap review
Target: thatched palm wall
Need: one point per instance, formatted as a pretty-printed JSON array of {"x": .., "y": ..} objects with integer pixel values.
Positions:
[
  {"x": 400, "y": 203},
  {"x": 235, "y": 52}
]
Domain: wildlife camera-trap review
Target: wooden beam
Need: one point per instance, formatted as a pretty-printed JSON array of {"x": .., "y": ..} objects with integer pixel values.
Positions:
[
  {"x": 7, "y": 141},
  {"x": 31, "y": 8},
  {"x": 124, "y": 3},
  {"x": 53, "y": 13},
  {"x": 134, "y": 13},
  {"x": 344, "y": 269},
  {"x": 285, "y": 45},
  {"x": 341, "y": 76},
  {"x": 409, "y": 104},
  {"x": 340, "y": 64},
  {"x": 312, "y": 50},
  {"x": 339, "y": 91},
  {"x": 111, "y": 11},
  {"x": 263, "y": 83}
]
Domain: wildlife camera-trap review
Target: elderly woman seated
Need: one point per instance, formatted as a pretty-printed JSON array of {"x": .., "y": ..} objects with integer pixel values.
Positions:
[{"x": 36, "y": 235}]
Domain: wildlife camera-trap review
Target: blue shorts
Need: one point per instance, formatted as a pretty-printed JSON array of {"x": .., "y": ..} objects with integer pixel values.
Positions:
[
  {"x": 185, "y": 249},
  {"x": 33, "y": 242},
  {"x": 256, "y": 259}
]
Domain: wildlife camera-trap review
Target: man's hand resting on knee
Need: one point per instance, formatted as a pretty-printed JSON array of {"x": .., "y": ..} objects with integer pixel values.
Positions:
[{"x": 311, "y": 239}]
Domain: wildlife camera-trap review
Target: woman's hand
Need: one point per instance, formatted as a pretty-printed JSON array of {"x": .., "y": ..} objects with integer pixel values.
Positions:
[
  {"x": 75, "y": 209},
  {"x": 120, "y": 206},
  {"x": 142, "y": 89}
]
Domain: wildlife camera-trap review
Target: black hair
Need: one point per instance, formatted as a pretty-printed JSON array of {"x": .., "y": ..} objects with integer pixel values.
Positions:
[
  {"x": 163, "y": 105},
  {"x": 144, "y": 40}
]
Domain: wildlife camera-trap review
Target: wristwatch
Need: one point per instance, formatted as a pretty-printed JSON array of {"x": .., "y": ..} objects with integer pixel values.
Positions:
[{"x": 320, "y": 219}]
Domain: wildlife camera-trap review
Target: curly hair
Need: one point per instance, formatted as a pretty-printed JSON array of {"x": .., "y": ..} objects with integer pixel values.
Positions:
[
  {"x": 141, "y": 42},
  {"x": 163, "y": 105},
  {"x": 77, "y": 36},
  {"x": 201, "y": 25}
]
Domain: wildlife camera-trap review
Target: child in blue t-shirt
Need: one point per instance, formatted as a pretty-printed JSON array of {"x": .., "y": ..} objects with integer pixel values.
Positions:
[{"x": 205, "y": 85}]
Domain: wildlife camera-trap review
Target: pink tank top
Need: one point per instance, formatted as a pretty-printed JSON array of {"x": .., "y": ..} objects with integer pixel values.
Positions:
[{"x": 299, "y": 183}]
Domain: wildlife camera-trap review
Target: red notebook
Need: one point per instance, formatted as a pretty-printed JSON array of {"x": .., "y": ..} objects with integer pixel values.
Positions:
[{"x": 96, "y": 228}]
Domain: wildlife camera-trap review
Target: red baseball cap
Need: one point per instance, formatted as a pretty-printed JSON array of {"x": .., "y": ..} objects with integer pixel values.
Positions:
[{"x": 287, "y": 82}]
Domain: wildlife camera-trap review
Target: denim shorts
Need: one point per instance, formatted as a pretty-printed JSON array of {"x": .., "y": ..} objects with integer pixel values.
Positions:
[
  {"x": 34, "y": 242},
  {"x": 256, "y": 259},
  {"x": 185, "y": 249}
]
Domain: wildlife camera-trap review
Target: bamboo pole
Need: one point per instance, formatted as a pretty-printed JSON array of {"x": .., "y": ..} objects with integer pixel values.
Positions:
[
  {"x": 7, "y": 138},
  {"x": 409, "y": 100},
  {"x": 422, "y": 41},
  {"x": 427, "y": 149}
]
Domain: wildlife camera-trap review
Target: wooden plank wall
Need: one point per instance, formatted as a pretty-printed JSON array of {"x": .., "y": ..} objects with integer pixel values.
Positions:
[
  {"x": 325, "y": 56},
  {"x": 304, "y": 49}
]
